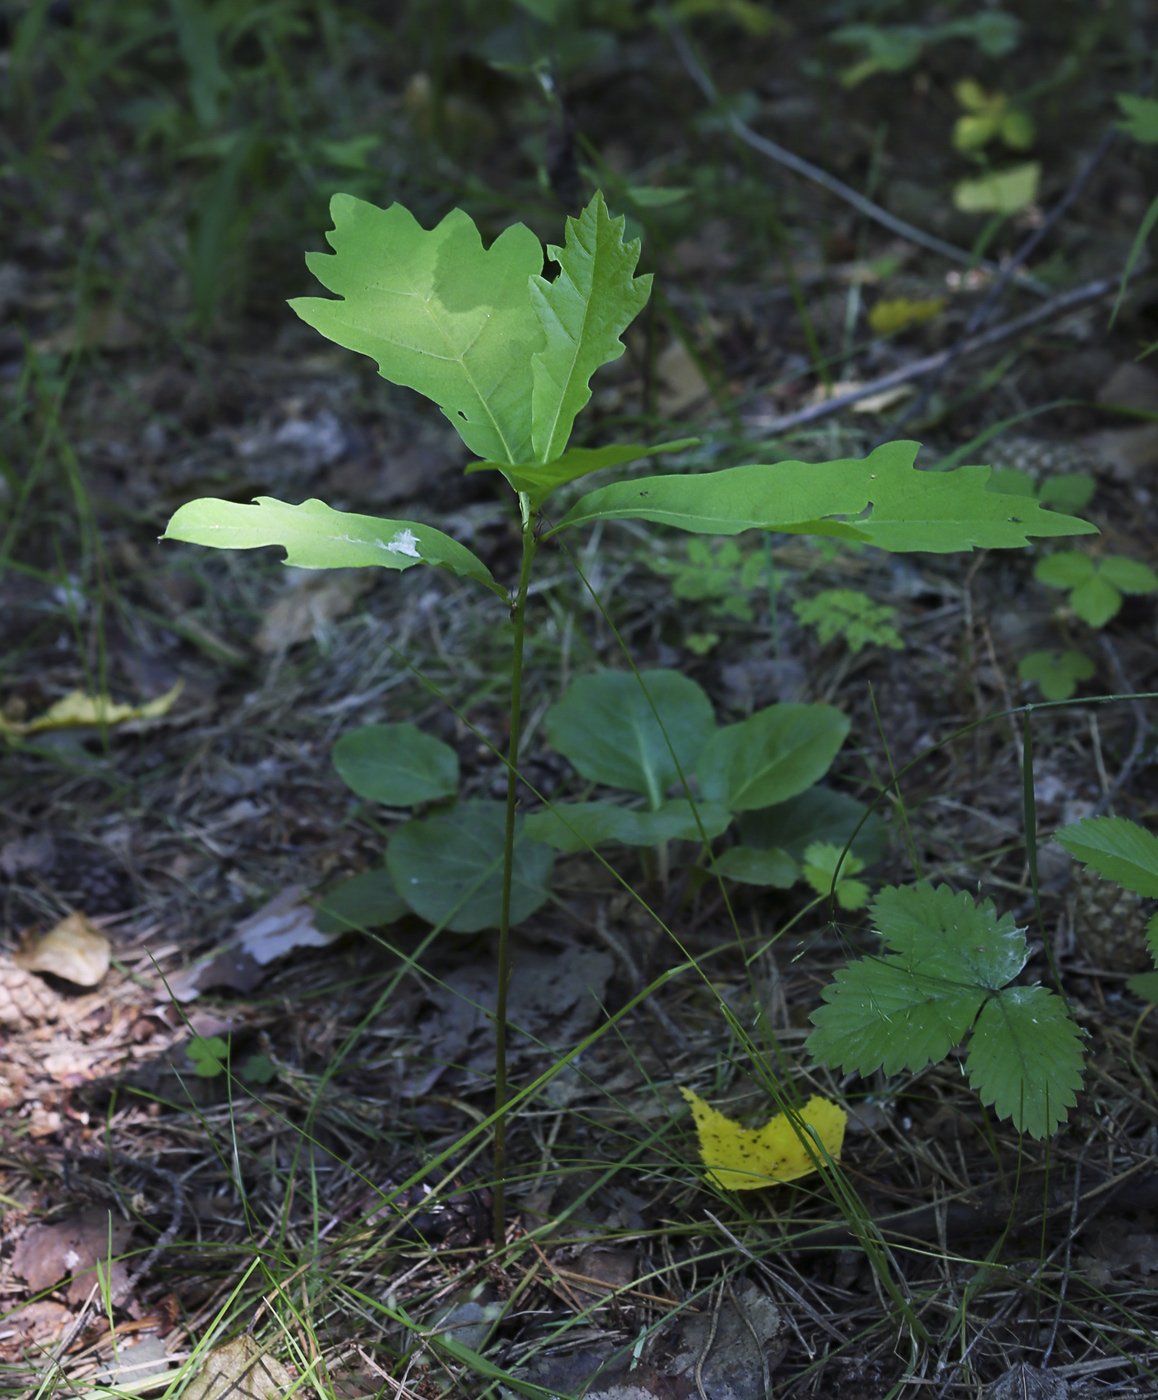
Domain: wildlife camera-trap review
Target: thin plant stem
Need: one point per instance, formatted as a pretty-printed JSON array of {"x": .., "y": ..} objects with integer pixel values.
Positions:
[{"x": 518, "y": 616}]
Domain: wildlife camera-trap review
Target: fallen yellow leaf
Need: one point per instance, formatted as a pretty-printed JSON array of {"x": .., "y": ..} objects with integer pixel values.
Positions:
[
  {"x": 746, "y": 1159},
  {"x": 77, "y": 708}
]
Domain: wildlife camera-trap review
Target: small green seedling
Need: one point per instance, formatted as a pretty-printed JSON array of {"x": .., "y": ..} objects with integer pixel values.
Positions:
[
  {"x": 851, "y": 615},
  {"x": 508, "y": 356},
  {"x": 948, "y": 973},
  {"x": 825, "y": 861},
  {"x": 1057, "y": 673},
  {"x": 209, "y": 1055},
  {"x": 720, "y": 576},
  {"x": 1004, "y": 192},
  {"x": 1095, "y": 585},
  {"x": 989, "y": 116}
]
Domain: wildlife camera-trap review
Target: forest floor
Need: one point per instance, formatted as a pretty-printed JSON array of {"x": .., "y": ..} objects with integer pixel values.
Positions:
[{"x": 318, "y": 1219}]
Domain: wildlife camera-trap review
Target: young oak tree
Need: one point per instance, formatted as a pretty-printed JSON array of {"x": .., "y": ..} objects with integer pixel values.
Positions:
[{"x": 508, "y": 356}]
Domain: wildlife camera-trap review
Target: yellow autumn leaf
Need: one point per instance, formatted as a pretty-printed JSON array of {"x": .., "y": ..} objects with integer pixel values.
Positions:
[
  {"x": 899, "y": 313},
  {"x": 746, "y": 1159},
  {"x": 78, "y": 708}
]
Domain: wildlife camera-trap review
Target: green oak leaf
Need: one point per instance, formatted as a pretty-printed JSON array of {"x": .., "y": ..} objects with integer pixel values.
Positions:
[
  {"x": 315, "y": 536},
  {"x": 583, "y": 312},
  {"x": 1025, "y": 1058},
  {"x": 438, "y": 312},
  {"x": 938, "y": 512},
  {"x": 540, "y": 479}
]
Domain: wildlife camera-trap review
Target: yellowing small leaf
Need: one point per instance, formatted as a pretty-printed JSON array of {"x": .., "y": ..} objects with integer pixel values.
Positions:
[
  {"x": 746, "y": 1159},
  {"x": 899, "y": 313},
  {"x": 78, "y": 709},
  {"x": 1000, "y": 191}
]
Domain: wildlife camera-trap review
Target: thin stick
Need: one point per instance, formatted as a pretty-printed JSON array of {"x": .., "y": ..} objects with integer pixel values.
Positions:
[
  {"x": 518, "y": 616},
  {"x": 1091, "y": 291},
  {"x": 799, "y": 166}
]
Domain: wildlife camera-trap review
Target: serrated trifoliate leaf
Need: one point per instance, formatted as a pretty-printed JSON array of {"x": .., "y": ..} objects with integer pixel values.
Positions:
[
  {"x": 949, "y": 935},
  {"x": 938, "y": 512},
  {"x": 1128, "y": 575},
  {"x": 1025, "y": 1058},
  {"x": 578, "y": 826},
  {"x": 1057, "y": 673},
  {"x": 1096, "y": 601},
  {"x": 396, "y": 764},
  {"x": 362, "y": 902},
  {"x": 880, "y": 1013},
  {"x": 823, "y": 861},
  {"x": 1118, "y": 849},
  {"x": 540, "y": 480},
  {"x": 771, "y": 756},
  {"x": 438, "y": 312},
  {"x": 314, "y": 536},
  {"x": 1097, "y": 585},
  {"x": 819, "y": 814},
  {"x": 750, "y": 865},
  {"x": 1065, "y": 569},
  {"x": 449, "y": 868},
  {"x": 909, "y": 1007},
  {"x": 583, "y": 312},
  {"x": 607, "y": 725},
  {"x": 746, "y": 1159}
]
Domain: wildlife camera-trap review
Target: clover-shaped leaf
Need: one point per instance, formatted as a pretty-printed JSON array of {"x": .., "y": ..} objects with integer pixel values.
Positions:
[
  {"x": 209, "y": 1056},
  {"x": 1095, "y": 585},
  {"x": 822, "y": 861},
  {"x": 1057, "y": 673}
]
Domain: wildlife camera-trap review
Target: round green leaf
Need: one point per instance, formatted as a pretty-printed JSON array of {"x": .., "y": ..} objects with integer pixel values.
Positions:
[
  {"x": 364, "y": 901},
  {"x": 576, "y": 826},
  {"x": 449, "y": 868},
  {"x": 749, "y": 866},
  {"x": 606, "y": 726},
  {"x": 396, "y": 764},
  {"x": 1128, "y": 575},
  {"x": 1066, "y": 569},
  {"x": 772, "y": 756},
  {"x": 1095, "y": 601},
  {"x": 820, "y": 814}
]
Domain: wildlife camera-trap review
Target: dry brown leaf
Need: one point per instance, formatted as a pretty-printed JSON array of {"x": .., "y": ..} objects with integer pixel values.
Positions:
[
  {"x": 309, "y": 606},
  {"x": 48, "y": 1254},
  {"x": 37, "y": 1324},
  {"x": 74, "y": 950},
  {"x": 1124, "y": 452},
  {"x": 240, "y": 1371},
  {"x": 681, "y": 384}
]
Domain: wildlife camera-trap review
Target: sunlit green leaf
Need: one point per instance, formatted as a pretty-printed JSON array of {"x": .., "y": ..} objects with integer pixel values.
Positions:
[
  {"x": 999, "y": 191},
  {"x": 540, "y": 480},
  {"x": 316, "y": 537},
  {"x": 583, "y": 312},
  {"x": 910, "y": 509},
  {"x": 438, "y": 312}
]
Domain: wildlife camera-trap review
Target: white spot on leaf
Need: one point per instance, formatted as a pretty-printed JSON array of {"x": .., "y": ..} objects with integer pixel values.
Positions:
[{"x": 404, "y": 542}]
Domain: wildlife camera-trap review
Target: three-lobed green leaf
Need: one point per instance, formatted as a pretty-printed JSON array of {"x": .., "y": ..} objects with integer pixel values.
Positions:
[
  {"x": 910, "y": 510},
  {"x": 314, "y": 536},
  {"x": 948, "y": 970},
  {"x": 1096, "y": 586}
]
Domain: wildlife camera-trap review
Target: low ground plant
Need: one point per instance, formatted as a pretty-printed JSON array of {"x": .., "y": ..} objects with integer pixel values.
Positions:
[{"x": 508, "y": 356}]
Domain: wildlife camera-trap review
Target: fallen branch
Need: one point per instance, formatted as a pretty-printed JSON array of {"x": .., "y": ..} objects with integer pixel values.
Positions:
[
  {"x": 930, "y": 364},
  {"x": 800, "y": 166}
]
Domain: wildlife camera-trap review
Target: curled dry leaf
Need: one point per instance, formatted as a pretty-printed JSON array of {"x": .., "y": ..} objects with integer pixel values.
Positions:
[
  {"x": 74, "y": 950},
  {"x": 78, "y": 710}
]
